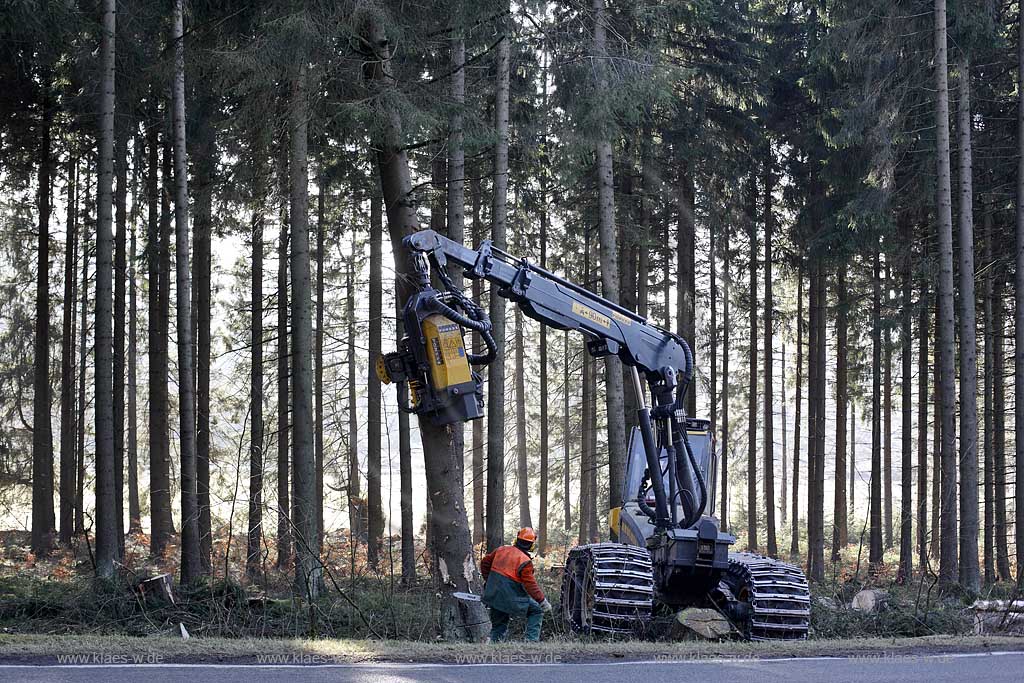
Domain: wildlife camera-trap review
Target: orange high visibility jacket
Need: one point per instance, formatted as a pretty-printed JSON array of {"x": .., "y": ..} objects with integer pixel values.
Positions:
[{"x": 512, "y": 563}]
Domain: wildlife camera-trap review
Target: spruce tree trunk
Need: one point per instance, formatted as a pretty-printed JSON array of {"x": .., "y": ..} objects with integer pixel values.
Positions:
[
  {"x": 82, "y": 350},
  {"x": 134, "y": 506},
  {"x": 726, "y": 337},
  {"x": 1018, "y": 315},
  {"x": 614, "y": 394},
  {"x": 43, "y": 522},
  {"x": 495, "y": 508},
  {"x": 936, "y": 524},
  {"x": 106, "y": 500},
  {"x": 162, "y": 523},
  {"x": 522, "y": 471},
  {"x": 945, "y": 320},
  {"x": 67, "y": 363},
  {"x": 284, "y": 531},
  {"x": 818, "y": 550},
  {"x": 686, "y": 325},
  {"x": 970, "y": 572},
  {"x": 204, "y": 166},
  {"x": 452, "y": 540},
  {"x": 794, "y": 547},
  {"x": 906, "y": 389},
  {"x": 405, "y": 476},
  {"x": 120, "y": 276},
  {"x": 812, "y": 405},
  {"x": 318, "y": 360},
  {"x": 304, "y": 515},
  {"x": 253, "y": 555},
  {"x": 999, "y": 426},
  {"x": 769, "y": 360},
  {"x": 752, "y": 502},
  {"x": 840, "y": 526},
  {"x": 566, "y": 442},
  {"x": 988, "y": 552},
  {"x": 886, "y": 411},
  {"x": 923, "y": 527},
  {"x": 191, "y": 565},
  {"x": 373, "y": 389},
  {"x": 478, "y": 471},
  {"x": 542, "y": 529},
  {"x": 876, "y": 541}
]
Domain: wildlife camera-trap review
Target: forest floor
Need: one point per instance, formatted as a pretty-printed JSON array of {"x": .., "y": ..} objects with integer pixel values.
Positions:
[{"x": 55, "y": 603}]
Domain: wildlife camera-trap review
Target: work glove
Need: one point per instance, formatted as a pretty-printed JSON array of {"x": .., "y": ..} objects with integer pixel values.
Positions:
[{"x": 546, "y": 606}]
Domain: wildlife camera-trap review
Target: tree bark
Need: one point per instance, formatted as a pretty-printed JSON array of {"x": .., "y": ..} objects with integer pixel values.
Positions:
[
  {"x": 987, "y": 373},
  {"x": 373, "y": 390},
  {"x": 452, "y": 538},
  {"x": 1018, "y": 316},
  {"x": 769, "y": 360},
  {"x": 495, "y": 508},
  {"x": 253, "y": 557},
  {"x": 794, "y": 547},
  {"x": 134, "y": 506},
  {"x": 886, "y": 411},
  {"x": 752, "y": 502},
  {"x": 970, "y": 572},
  {"x": 106, "y": 502},
  {"x": 686, "y": 323},
  {"x": 284, "y": 531},
  {"x": 922, "y": 430},
  {"x": 999, "y": 426},
  {"x": 840, "y": 531},
  {"x": 726, "y": 337},
  {"x": 906, "y": 394},
  {"x": 191, "y": 565},
  {"x": 67, "y": 363},
  {"x": 876, "y": 540},
  {"x": 304, "y": 516},
  {"x": 478, "y": 470},
  {"x": 318, "y": 358},
  {"x": 522, "y": 470},
  {"x": 614, "y": 394},
  {"x": 120, "y": 276},
  {"x": 82, "y": 358}
]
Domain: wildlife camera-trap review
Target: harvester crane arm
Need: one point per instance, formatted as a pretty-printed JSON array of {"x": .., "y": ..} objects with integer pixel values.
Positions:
[{"x": 663, "y": 358}]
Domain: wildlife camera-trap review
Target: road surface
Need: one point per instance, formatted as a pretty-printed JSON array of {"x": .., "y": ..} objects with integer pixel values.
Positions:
[{"x": 933, "y": 668}]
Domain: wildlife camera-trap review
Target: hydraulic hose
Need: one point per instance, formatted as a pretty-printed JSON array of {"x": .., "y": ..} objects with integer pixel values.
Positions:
[{"x": 475, "y": 319}]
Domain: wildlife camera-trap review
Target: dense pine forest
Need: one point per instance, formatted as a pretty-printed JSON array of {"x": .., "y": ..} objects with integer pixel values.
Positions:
[{"x": 203, "y": 206}]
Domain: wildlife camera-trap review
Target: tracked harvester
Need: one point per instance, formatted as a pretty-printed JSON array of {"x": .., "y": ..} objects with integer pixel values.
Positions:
[{"x": 666, "y": 552}]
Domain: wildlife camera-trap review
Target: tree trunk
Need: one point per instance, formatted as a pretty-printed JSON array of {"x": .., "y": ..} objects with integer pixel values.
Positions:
[
  {"x": 318, "y": 358},
  {"x": 478, "y": 470},
  {"x": 922, "y": 430},
  {"x": 794, "y": 547},
  {"x": 840, "y": 532},
  {"x": 1018, "y": 316},
  {"x": 120, "y": 276},
  {"x": 936, "y": 524},
  {"x": 67, "y": 363},
  {"x": 522, "y": 472},
  {"x": 82, "y": 350},
  {"x": 373, "y": 389},
  {"x": 106, "y": 500},
  {"x": 752, "y": 503},
  {"x": 818, "y": 550},
  {"x": 495, "y": 512},
  {"x": 812, "y": 406},
  {"x": 566, "y": 442},
  {"x": 542, "y": 529},
  {"x": 614, "y": 394},
  {"x": 886, "y": 411},
  {"x": 876, "y": 540},
  {"x": 726, "y": 337},
  {"x": 43, "y": 522},
  {"x": 405, "y": 476},
  {"x": 987, "y": 374},
  {"x": 970, "y": 572},
  {"x": 191, "y": 566},
  {"x": 253, "y": 557},
  {"x": 205, "y": 167},
  {"x": 134, "y": 506},
  {"x": 686, "y": 324},
  {"x": 304, "y": 516},
  {"x": 284, "y": 531},
  {"x": 769, "y": 360},
  {"x": 945, "y": 321},
  {"x": 999, "y": 426},
  {"x": 452, "y": 541},
  {"x": 906, "y": 389}
]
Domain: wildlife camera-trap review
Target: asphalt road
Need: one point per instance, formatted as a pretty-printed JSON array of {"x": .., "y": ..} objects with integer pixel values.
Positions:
[{"x": 987, "y": 668}]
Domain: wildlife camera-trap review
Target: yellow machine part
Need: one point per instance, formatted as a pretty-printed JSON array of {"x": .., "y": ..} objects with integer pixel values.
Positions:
[
  {"x": 613, "y": 521},
  {"x": 382, "y": 371},
  {"x": 446, "y": 350}
]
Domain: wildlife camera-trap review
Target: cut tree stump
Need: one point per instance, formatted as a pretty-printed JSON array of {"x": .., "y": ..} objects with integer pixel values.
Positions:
[
  {"x": 870, "y": 600},
  {"x": 161, "y": 585}
]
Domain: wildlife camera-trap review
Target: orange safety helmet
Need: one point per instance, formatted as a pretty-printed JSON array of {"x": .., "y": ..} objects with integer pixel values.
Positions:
[{"x": 528, "y": 535}]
